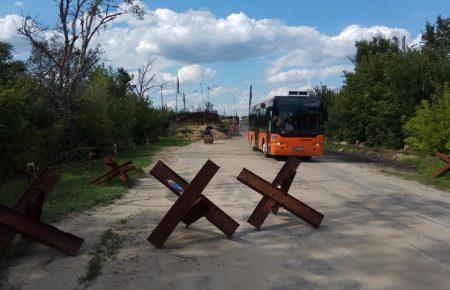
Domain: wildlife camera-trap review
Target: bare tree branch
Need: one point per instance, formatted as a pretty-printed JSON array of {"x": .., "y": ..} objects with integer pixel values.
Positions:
[
  {"x": 68, "y": 52},
  {"x": 145, "y": 78}
]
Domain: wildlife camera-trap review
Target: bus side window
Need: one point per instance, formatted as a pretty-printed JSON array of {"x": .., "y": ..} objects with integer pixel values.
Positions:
[
  {"x": 262, "y": 124},
  {"x": 252, "y": 119},
  {"x": 269, "y": 118}
]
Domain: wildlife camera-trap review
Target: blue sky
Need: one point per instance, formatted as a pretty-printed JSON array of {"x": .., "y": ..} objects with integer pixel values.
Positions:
[{"x": 227, "y": 45}]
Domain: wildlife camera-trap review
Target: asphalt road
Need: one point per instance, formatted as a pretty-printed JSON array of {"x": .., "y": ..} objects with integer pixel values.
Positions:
[{"x": 379, "y": 232}]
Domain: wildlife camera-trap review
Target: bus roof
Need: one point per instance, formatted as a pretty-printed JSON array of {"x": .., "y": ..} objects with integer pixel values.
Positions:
[{"x": 285, "y": 96}]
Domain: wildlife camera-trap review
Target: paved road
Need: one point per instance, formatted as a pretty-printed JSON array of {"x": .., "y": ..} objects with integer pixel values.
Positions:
[{"x": 379, "y": 232}]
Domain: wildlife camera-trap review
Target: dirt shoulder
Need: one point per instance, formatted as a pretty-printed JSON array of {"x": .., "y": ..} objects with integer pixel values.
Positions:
[{"x": 407, "y": 166}]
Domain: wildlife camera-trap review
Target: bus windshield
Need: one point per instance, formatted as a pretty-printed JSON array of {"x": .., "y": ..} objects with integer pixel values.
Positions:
[{"x": 297, "y": 116}]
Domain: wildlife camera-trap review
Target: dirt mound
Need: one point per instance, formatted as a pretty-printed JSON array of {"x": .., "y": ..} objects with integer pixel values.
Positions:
[{"x": 194, "y": 132}]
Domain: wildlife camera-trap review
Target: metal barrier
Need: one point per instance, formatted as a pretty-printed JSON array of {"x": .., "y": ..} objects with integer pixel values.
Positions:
[
  {"x": 191, "y": 204},
  {"x": 276, "y": 195},
  {"x": 117, "y": 170},
  {"x": 24, "y": 217}
]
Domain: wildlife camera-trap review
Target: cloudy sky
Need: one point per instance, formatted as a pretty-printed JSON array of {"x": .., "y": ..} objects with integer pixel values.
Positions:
[{"x": 228, "y": 45}]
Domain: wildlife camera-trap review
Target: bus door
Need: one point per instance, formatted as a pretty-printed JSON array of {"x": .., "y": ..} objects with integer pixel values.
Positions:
[
  {"x": 270, "y": 129},
  {"x": 257, "y": 121}
]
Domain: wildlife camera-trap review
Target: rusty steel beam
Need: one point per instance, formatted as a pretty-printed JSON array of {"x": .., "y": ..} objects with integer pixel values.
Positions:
[
  {"x": 282, "y": 181},
  {"x": 116, "y": 171},
  {"x": 164, "y": 173},
  {"x": 191, "y": 195},
  {"x": 37, "y": 193},
  {"x": 204, "y": 208},
  {"x": 288, "y": 202},
  {"x": 285, "y": 177},
  {"x": 42, "y": 232},
  {"x": 444, "y": 169}
]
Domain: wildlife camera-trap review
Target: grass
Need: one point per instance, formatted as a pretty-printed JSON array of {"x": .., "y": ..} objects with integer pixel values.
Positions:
[
  {"x": 106, "y": 249},
  {"x": 425, "y": 166},
  {"x": 73, "y": 193},
  {"x": 420, "y": 168}
]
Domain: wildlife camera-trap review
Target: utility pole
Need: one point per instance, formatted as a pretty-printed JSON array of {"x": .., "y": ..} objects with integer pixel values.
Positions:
[
  {"x": 184, "y": 97},
  {"x": 208, "y": 95},
  {"x": 162, "y": 99},
  {"x": 161, "y": 92},
  {"x": 250, "y": 99},
  {"x": 204, "y": 114}
]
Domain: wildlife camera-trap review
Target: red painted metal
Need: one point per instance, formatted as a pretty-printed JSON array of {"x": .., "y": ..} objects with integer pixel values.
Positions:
[{"x": 191, "y": 204}]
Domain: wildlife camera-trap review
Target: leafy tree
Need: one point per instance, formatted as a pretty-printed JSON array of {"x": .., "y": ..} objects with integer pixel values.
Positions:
[
  {"x": 390, "y": 80},
  {"x": 21, "y": 141},
  {"x": 436, "y": 38},
  {"x": 429, "y": 130},
  {"x": 10, "y": 70}
]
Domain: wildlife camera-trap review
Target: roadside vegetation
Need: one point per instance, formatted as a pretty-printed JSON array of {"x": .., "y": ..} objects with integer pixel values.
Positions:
[
  {"x": 104, "y": 250},
  {"x": 397, "y": 98},
  {"x": 397, "y": 95},
  {"x": 417, "y": 167}
]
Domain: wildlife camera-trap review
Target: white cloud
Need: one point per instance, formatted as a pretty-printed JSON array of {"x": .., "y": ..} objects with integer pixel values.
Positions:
[
  {"x": 325, "y": 55},
  {"x": 301, "y": 75},
  {"x": 190, "y": 74},
  {"x": 18, "y": 4},
  {"x": 198, "y": 36},
  {"x": 285, "y": 90},
  {"x": 222, "y": 91},
  {"x": 8, "y": 33},
  {"x": 293, "y": 54}
]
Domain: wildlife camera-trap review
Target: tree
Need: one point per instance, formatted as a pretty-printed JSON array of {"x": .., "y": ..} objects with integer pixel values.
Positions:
[
  {"x": 378, "y": 45},
  {"x": 65, "y": 60},
  {"x": 10, "y": 70},
  {"x": 429, "y": 130},
  {"x": 389, "y": 82},
  {"x": 21, "y": 140},
  {"x": 436, "y": 38},
  {"x": 145, "y": 78}
]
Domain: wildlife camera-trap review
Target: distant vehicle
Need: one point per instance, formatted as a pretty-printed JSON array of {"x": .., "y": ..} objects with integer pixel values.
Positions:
[
  {"x": 208, "y": 135},
  {"x": 289, "y": 125}
]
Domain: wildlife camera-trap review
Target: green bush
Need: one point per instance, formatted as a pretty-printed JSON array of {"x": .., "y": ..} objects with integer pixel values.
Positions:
[{"x": 429, "y": 130}]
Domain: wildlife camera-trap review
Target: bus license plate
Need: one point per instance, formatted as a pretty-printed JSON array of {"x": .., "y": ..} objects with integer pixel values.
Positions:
[{"x": 298, "y": 149}]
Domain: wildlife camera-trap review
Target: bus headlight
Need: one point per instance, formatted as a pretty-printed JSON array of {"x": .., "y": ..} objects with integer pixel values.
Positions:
[{"x": 279, "y": 144}]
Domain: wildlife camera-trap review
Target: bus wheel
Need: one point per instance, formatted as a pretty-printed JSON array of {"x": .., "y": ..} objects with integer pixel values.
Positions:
[
  {"x": 253, "y": 145},
  {"x": 265, "y": 149}
]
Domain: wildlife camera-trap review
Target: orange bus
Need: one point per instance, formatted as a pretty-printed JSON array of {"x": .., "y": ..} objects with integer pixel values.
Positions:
[{"x": 289, "y": 125}]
